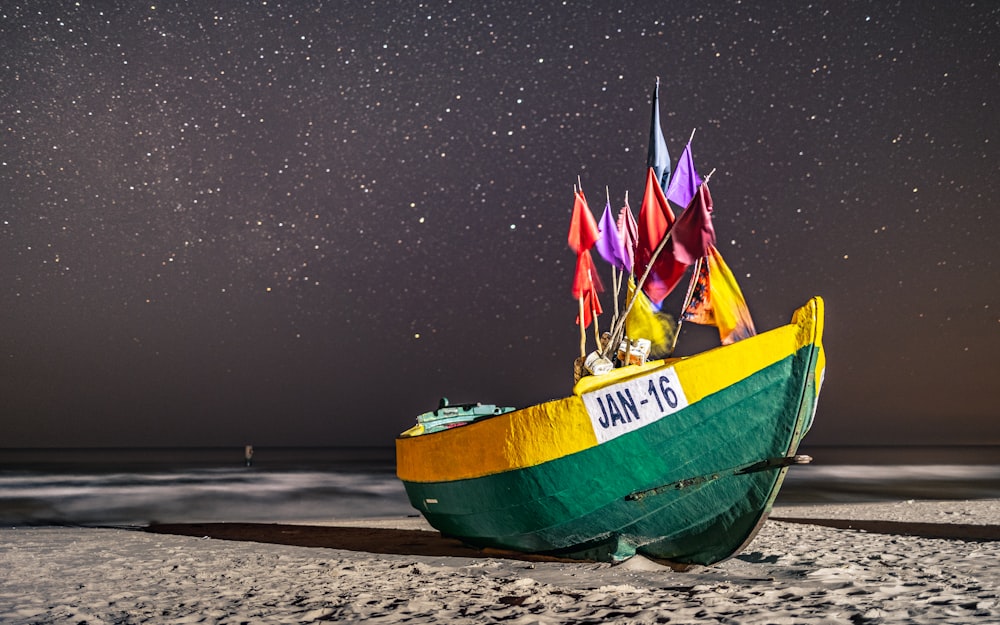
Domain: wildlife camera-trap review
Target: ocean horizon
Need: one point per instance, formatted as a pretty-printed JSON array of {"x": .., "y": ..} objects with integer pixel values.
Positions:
[{"x": 138, "y": 486}]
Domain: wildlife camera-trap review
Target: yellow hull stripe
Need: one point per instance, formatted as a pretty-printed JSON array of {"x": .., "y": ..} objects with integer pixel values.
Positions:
[{"x": 544, "y": 432}]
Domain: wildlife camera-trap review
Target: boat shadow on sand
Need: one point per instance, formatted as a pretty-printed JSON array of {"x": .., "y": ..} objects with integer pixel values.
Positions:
[
  {"x": 415, "y": 542},
  {"x": 411, "y": 542}
]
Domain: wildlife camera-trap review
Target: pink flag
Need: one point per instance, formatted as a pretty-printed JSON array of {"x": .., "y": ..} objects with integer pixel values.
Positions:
[{"x": 629, "y": 233}]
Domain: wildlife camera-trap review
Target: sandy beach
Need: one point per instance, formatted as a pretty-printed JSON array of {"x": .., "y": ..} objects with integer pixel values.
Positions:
[{"x": 904, "y": 562}]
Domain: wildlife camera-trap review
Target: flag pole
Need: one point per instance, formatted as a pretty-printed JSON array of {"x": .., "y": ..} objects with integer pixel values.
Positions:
[
  {"x": 687, "y": 302},
  {"x": 616, "y": 289},
  {"x": 583, "y": 331},
  {"x": 619, "y": 327},
  {"x": 597, "y": 332},
  {"x": 593, "y": 308}
]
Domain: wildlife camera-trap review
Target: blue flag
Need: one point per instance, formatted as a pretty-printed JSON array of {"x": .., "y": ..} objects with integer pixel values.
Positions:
[{"x": 657, "y": 157}]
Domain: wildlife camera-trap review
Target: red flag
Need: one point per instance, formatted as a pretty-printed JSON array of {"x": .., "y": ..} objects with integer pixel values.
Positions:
[
  {"x": 694, "y": 233},
  {"x": 585, "y": 278},
  {"x": 583, "y": 231},
  {"x": 586, "y": 285},
  {"x": 655, "y": 219},
  {"x": 591, "y": 308}
]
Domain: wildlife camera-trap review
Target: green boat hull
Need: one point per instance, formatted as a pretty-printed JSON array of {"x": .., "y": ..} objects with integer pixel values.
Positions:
[{"x": 691, "y": 487}]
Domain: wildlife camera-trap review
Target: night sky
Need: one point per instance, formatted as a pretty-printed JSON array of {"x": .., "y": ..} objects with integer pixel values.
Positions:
[{"x": 302, "y": 223}]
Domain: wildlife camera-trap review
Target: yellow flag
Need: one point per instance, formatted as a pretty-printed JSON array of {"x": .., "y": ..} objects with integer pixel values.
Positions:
[
  {"x": 718, "y": 301},
  {"x": 645, "y": 322}
]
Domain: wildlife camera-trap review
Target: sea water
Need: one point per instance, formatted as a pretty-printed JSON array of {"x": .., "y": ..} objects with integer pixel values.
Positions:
[{"x": 142, "y": 486}]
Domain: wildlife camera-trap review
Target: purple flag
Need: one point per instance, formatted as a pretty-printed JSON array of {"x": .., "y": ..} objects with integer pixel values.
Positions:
[
  {"x": 685, "y": 181},
  {"x": 609, "y": 243}
]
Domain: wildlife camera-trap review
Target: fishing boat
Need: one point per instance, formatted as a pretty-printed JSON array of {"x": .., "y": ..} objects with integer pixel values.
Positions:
[
  {"x": 675, "y": 458},
  {"x": 679, "y": 459}
]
